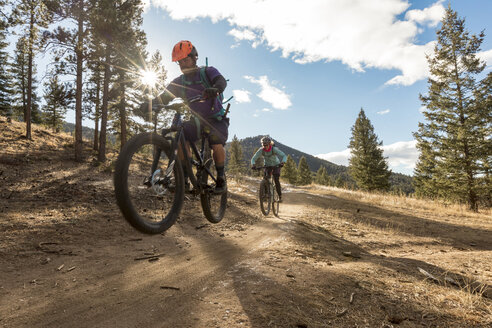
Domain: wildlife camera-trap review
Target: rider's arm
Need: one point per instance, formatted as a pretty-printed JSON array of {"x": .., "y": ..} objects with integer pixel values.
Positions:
[
  {"x": 220, "y": 83},
  {"x": 217, "y": 80},
  {"x": 281, "y": 154},
  {"x": 165, "y": 97},
  {"x": 256, "y": 156}
]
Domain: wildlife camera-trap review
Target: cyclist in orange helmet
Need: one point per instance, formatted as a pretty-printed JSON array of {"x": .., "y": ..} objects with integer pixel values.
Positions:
[{"x": 208, "y": 83}]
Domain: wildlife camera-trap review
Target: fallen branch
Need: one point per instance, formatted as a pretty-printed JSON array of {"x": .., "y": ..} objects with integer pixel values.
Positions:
[
  {"x": 170, "y": 287},
  {"x": 351, "y": 298},
  {"x": 148, "y": 257},
  {"x": 428, "y": 275}
]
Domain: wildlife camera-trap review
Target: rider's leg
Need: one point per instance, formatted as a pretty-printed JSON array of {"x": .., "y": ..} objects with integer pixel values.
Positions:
[
  {"x": 191, "y": 135},
  {"x": 217, "y": 139},
  {"x": 182, "y": 157},
  {"x": 218, "y": 153},
  {"x": 276, "y": 178}
]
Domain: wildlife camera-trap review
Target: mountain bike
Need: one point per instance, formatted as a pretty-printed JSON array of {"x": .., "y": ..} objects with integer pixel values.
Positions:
[
  {"x": 149, "y": 180},
  {"x": 267, "y": 193}
]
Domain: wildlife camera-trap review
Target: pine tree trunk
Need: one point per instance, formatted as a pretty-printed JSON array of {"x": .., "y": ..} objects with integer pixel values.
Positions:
[
  {"x": 123, "y": 111},
  {"x": 97, "y": 111},
  {"x": 104, "y": 115},
  {"x": 29, "y": 77},
  {"x": 78, "y": 93},
  {"x": 24, "y": 95}
]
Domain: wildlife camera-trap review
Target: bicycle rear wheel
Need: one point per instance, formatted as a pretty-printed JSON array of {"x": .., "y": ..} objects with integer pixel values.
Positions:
[
  {"x": 275, "y": 202},
  {"x": 213, "y": 205},
  {"x": 149, "y": 201},
  {"x": 264, "y": 195}
]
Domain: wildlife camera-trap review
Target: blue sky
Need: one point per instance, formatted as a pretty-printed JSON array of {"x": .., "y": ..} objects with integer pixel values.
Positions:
[{"x": 301, "y": 73}]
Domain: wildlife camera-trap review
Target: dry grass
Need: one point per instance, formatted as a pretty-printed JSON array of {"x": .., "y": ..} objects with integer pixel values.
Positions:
[{"x": 450, "y": 211}]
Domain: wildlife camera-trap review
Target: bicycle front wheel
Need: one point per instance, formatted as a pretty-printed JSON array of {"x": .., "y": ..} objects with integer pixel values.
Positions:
[
  {"x": 150, "y": 200},
  {"x": 264, "y": 195},
  {"x": 213, "y": 205}
]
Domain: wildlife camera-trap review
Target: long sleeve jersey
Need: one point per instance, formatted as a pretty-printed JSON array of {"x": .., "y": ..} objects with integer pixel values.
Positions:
[{"x": 271, "y": 157}]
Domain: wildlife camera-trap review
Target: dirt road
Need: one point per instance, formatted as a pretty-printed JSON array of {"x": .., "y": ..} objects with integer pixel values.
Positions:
[{"x": 332, "y": 259}]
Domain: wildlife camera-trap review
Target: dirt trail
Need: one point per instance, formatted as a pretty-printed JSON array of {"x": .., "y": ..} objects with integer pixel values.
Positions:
[{"x": 67, "y": 257}]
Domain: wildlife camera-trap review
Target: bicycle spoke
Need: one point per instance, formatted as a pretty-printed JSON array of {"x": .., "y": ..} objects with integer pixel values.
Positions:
[
  {"x": 213, "y": 205},
  {"x": 150, "y": 201}
]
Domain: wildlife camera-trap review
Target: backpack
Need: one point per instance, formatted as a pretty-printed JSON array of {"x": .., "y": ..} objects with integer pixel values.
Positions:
[{"x": 205, "y": 82}]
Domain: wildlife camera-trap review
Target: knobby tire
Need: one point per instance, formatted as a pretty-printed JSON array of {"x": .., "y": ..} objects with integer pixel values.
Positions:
[{"x": 145, "y": 209}]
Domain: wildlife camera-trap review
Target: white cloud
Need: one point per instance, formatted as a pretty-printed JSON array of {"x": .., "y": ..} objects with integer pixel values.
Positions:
[
  {"x": 401, "y": 155},
  {"x": 383, "y": 112},
  {"x": 486, "y": 56},
  {"x": 267, "y": 110},
  {"x": 271, "y": 94},
  {"x": 244, "y": 34},
  {"x": 241, "y": 96},
  {"x": 360, "y": 33},
  {"x": 146, "y": 5},
  {"x": 337, "y": 157},
  {"x": 430, "y": 16}
]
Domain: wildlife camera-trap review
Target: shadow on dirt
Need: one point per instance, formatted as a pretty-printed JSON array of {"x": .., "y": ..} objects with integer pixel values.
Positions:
[{"x": 131, "y": 293}]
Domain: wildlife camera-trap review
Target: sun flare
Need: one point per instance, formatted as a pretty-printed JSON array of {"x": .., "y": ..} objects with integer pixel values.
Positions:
[{"x": 148, "y": 78}]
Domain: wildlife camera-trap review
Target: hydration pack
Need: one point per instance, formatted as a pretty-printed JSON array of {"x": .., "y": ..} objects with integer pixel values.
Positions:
[{"x": 205, "y": 82}]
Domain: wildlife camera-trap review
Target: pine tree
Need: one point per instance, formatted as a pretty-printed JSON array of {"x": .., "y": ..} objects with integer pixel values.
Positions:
[
  {"x": 484, "y": 108},
  {"x": 32, "y": 15},
  {"x": 58, "y": 97},
  {"x": 93, "y": 89},
  {"x": 367, "y": 166},
  {"x": 289, "y": 171},
  {"x": 5, "y": 77},
  {"x": 236, "y": 165},
  {"x": 304, "y": 177},
  {"x": 19, "y": 73},
  {"x": 116, "y": 25},
  {"x": 322, "y": 177},
  {"x": 104, "y": 23},
  {"x": 451, "y": 141},
  {"x": 130, "y": 41},
  {"x": 339, "y": 182},
  {"x": 68, "y": 45}
]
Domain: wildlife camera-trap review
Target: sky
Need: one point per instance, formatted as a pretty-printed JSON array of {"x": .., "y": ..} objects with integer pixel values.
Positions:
[{"x": 301, "y": 73}]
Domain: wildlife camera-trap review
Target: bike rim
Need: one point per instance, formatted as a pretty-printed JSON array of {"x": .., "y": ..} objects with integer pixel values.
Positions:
[{"x": 152, "y": 196}]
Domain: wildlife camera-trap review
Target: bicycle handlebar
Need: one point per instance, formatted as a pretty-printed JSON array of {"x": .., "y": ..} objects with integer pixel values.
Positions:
[
  {"x": 265, "y": 167},
  {"x": 176, "y": 106}
]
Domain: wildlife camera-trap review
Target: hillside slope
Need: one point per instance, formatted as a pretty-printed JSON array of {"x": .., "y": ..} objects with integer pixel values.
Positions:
[{"x": 332, "y": 259}]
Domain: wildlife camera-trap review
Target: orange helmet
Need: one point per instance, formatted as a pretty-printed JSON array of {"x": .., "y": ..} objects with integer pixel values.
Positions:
[{"x": 183, "y": 49}]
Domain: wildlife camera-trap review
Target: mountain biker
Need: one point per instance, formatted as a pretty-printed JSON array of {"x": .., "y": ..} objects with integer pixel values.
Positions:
[
  {"x": 271, "y": 156},
  {"x": 208, "y": 113}
]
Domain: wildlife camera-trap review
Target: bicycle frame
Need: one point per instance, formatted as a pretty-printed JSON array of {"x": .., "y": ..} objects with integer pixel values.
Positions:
[
  {"x": 268, "y": 176},
  {"x": 179, "y": 142}
]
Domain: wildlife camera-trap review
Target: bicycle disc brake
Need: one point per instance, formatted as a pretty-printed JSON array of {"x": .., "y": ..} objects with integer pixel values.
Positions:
[{"x": 162, "y": 182}]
